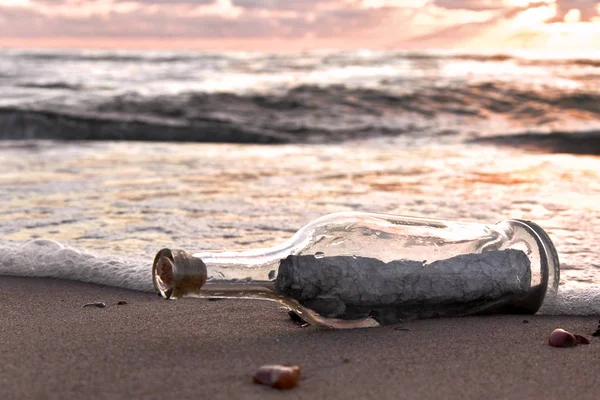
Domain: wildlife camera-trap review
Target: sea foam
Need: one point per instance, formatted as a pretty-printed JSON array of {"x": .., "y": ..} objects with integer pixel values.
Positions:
[{"x": 43, "y": 258}]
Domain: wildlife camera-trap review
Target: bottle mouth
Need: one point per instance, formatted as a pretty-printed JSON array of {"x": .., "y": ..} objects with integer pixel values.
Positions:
[
  {"x": 163, "y": 269},
  {"x": 549, "y": 268},
  {"x": 548, "y": 253},
  {"x": 176, "y": 273}
]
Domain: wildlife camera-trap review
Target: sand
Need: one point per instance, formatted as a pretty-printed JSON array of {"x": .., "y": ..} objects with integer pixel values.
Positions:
[{"x": 52, "y": 347}]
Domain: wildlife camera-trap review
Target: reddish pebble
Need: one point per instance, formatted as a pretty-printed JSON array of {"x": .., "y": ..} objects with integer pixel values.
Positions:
[
  {"x": 277, "y": 376},
  {"x": 561, "y": 338}
]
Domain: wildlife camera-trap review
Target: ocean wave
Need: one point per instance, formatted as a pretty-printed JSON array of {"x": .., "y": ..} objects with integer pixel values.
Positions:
[
  {"x": 586, "y": 62},
  {"x": 126, "y": 57},
  {"x": 52, "y": 124},
  {"x": 581, "y": 142},
  {"x": 310, "y": 60},
  {"x": 328, "y": 57},
  {"x": 51, "y": 85},
  {"x": 475, "y": 100},
  {"x": 305, "y": 113}
]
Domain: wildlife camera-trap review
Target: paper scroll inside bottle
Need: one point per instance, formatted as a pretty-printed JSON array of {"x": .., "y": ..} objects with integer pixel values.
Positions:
[{"x": 350, "y": 287}]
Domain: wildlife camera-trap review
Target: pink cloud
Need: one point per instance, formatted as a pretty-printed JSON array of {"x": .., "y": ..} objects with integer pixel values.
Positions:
[{"x": 378, "y": 23}]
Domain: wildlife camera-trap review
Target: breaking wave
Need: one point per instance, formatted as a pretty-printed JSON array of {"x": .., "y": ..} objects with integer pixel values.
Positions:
[
  {"x": 310, "y": 113},
  {"x": 326, "y": 57},
  {"x": 585, "y": 142},
  {"x": 313, "y": 96}
]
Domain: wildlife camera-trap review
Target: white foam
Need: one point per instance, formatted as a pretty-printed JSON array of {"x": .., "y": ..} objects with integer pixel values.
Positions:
[
  {"x": 572, "y": 301},
  {"x": 44, "y": 258}
]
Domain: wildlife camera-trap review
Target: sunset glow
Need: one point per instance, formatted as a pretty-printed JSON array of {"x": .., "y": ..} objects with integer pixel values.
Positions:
[{"x": 295, "y": 24}]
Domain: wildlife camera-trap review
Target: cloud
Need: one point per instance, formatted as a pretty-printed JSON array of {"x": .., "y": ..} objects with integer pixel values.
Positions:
[
  {"x": 474, "y": 5},
  {"x": 588, "y": 9},
  {"x": 299, "y": 5},
  {"x": 379, "y": 22},
  {"x": 187, "y": 18}
]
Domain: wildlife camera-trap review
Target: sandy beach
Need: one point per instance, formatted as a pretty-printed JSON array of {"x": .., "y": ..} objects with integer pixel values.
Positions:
[{"x": 53, "y": 347}]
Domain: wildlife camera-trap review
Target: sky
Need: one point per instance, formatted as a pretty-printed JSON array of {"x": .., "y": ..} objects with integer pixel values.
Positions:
[{"x": 301, "y": 24}]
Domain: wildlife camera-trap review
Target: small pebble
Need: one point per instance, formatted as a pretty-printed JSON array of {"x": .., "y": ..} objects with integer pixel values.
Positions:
[
  {"x": 277, "y": 376},
  {"x": 98, "y": 304},
  {"x": 525, "y": 321},
  {"x": 121, "y": 302},
  {"x": 346, "y": 360},
  {"x": 402, "y": 328}
]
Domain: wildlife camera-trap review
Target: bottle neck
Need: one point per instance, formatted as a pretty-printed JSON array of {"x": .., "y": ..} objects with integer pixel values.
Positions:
[{"x": 244, "y": 266}]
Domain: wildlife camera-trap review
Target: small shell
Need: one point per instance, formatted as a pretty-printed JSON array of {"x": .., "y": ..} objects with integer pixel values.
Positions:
[
  {"x": 561, "y": 338},
  {"x": 277, "y": 376}
]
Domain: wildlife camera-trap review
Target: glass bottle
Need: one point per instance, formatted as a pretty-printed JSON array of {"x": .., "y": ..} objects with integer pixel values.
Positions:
[{"x": 354, "y": 269}]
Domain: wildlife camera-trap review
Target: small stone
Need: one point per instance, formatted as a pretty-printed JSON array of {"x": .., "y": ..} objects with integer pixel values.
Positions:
[
  {"x": 402, "y": 328},
  {"x": 277, "y": 376},
  {"x": 121, "y": 302},
  {"x": 346, "y": 360},
  {"x": 525, "y": 321},
  {"x": 98, "y": 304},
  {"x": 597, "y": 333}
]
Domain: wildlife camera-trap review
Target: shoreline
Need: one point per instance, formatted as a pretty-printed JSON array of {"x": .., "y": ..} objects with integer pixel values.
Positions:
[{"x": 192, "y": 348}]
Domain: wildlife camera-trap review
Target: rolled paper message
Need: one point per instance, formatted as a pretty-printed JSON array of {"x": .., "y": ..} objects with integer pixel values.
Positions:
[{"x": 353, "y": 287}]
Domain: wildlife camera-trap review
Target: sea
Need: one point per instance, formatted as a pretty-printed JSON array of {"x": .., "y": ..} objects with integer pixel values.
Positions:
[{"x": 108, "y": 156}]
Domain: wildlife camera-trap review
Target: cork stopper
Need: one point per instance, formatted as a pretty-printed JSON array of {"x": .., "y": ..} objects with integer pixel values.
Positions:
[{"x": 177, "y": 273}]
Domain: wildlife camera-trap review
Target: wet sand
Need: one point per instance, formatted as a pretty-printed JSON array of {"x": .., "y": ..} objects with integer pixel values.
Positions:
[{"x": 52, "y": 347}]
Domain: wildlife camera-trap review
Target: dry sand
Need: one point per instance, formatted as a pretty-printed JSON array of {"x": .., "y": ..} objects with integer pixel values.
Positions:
[{"x": 51, "y": 347}]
